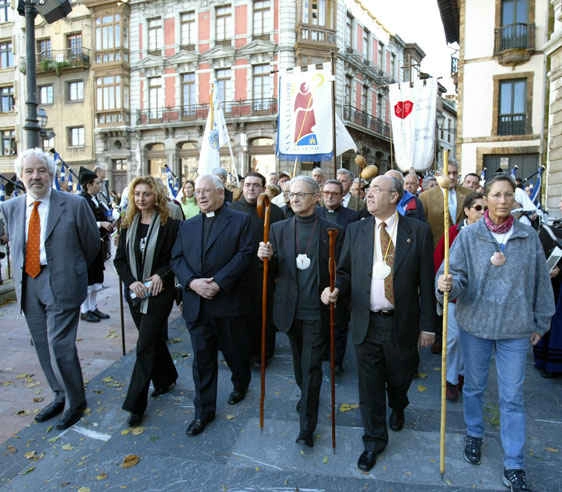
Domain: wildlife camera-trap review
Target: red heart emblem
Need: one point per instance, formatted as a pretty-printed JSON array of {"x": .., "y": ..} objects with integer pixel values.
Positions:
[{"x": 403, "y": 108}]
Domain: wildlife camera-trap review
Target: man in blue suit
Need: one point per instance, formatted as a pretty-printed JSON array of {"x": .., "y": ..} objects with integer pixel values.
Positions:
[{"x": 212, "y": 252}]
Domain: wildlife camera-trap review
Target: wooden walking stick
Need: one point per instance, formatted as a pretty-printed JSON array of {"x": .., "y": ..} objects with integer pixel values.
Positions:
[
  {"x": 444, "y": 183},
  {"x": 332, "y": 235},
  {"x": 264, "y": 211}
]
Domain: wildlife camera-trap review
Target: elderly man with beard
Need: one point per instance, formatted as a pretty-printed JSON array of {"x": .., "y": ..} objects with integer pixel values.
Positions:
[{"x": 254, "y": 185}]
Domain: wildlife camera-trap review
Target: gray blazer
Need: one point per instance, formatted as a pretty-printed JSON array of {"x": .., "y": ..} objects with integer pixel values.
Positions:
[{"x": 72, "y": 241}]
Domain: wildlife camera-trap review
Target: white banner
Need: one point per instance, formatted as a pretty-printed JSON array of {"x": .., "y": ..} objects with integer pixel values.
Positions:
[
  {"x": 305, "y": 115},
  {"x": 344, "y": 141},
  {"x": 413, "y": 123}
]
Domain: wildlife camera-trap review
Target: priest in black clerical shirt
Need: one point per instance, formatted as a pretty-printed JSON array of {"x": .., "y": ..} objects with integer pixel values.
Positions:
[{"x": 299, "y": 253}]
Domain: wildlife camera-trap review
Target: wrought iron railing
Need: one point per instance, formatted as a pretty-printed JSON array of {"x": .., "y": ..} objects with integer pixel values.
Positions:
[
  {"x": 366, "y": 120},
  {"x": 514, "y": 36},
  {"x": 60, "y": 60},
  {"x": 309, "y": 33},
  {"x": 512, "y": 124},
  {"x": 232, "y": 109}
]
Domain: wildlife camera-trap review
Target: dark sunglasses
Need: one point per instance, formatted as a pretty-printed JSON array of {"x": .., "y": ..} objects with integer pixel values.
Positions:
[{"x": 479, "y": 208}]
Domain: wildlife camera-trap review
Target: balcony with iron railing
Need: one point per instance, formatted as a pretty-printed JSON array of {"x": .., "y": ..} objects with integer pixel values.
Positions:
[
  {"x": 367, "y": 121},
  {"x": 307, "y": 33},
  {"x": 59, "y": 61},
  {"x": 198, "y": 112},
  {"x": 514, "y": 43},
  {"x": 513, "y": 124}
]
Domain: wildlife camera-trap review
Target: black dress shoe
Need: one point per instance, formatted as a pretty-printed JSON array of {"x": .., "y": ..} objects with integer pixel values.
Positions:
[
  {"x": 70, "y": 417},
  {"x": 90, "y": 317},
  {"x": 50, "y": 411},
  {"x": 198, "y": 425},
  {"x": 397, "y": 420},
  {"x": 367, "y": 460},
  {"x": 99, "y": 314},
  {"x": 135, "y": 419},
  {"x": 305, "y": 437},
  {"x": 162, "y": 391},
  {"x": 236, "y": 397}
]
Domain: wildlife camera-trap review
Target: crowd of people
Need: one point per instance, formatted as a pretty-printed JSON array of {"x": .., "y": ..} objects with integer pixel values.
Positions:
[{"x": 206, "y": 251}]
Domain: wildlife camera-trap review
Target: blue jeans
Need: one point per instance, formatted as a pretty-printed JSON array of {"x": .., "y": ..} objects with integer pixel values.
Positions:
[{"x": 511, "y": 356}]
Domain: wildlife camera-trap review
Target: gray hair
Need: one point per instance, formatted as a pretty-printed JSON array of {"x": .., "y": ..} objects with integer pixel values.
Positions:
[
  {"x": 312, "y": 185},
  {"x": 318, "y": 170},
  {"x": 397, "y": 186},
  {"x": 211, "y": 177},
  {"x": 219, "y": 171},
  {"x": 343, "y": 170},
  {"x": 38, "y": 154},
  {"x": 334, "y": 182}
]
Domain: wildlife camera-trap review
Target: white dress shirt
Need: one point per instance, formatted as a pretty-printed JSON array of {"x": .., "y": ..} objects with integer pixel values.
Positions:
[
  {"x": 346, "y": 198},
  {"x": 43, "y": 210},
  {"x": 378, "y": 300}
]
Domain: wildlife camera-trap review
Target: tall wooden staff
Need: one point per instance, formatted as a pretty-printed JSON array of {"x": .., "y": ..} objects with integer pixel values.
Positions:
[
  {"x": 444, "y": 183},
  {"x": 332, "y": 235},
  {"x": 264, "y": 211}
]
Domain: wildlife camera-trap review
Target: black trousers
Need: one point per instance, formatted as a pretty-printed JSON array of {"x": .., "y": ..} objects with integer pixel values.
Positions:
[
  {"x": 154, "y": 362},
  {"x": 341, "y": 329},
  {"x": 208, "y": 336},
  {"x": 254, "y": 330},
  {"x": 384, "y": 368},
  {"x": 309, "y": 343}
]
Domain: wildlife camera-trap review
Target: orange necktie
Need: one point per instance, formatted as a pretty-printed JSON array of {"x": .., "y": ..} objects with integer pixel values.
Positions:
[
  {"x": 387, "y": 250},
  {"x": 32, "y": 249}
]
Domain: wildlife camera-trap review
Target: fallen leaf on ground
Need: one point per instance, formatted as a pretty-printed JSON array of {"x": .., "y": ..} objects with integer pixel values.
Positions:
[
  {"x": 67, "y": 447},
  {"x": 6, "y": 383},
  {"x": 175, "y": 340},
  {"x": 88, "y": 411},
  {"x": 11, "y": 449},
  {"x": 29, "y": 470},
  {"x": 421, "y": 388},
  {"x": 32, "y": 455},
  {"x": 551, "y": 450},
  {"x": 22, "y": 413},
  {"x": 53, "y": 439},
  {"x": 38, "y": 399},
  {"x": 422, "y": 375},
  {"x": 130, "y": 460},
  {"x": 124, "y": 432},
  {"x": 84, "y": 489},
  {"x": 325, "y": 460},
  {"x": 230, "y": 417},
  {"x": 101, "y": 476},
  {"x": 346, "y": 407},
  {"x": 137, "y": 431},
  {"x": 24, "y": 376}
]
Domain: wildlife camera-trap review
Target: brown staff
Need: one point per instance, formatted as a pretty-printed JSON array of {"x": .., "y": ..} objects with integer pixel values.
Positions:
[
  {"x": 332, "y": 234},
  {"x": 264, "y": 211}
]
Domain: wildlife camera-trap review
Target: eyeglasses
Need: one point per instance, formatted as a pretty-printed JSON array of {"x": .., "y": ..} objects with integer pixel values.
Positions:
[
  {"x": 479, "y": 208},
  {"x": 300, "y": 195}
]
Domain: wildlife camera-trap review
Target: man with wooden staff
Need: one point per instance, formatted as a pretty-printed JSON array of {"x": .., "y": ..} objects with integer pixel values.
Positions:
[
  {"x": 299, "y": 254},
  {"x": 386, "y": 264}
]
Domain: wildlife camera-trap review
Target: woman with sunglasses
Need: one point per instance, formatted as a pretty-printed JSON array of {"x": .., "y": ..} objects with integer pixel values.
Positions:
[
  {"x": 474, "y": 206},
  {"x": 504, "y": 300}
]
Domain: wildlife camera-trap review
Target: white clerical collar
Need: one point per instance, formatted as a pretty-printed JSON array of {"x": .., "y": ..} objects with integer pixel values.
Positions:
[{"x": 210, "y": 214}]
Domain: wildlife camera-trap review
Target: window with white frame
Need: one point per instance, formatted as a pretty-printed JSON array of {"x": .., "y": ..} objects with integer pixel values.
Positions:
[
  {"x": 8, "y": 142},
  {"x": 155, "y": 97},
  {"x": 261, "y": 87},
  {"x": 188, "y": 35},
  {"x": 47, "y": 139},
  {"x": 4, "y": 10},
  {"x": 75, "y": 90},
  {"x": 43, "y": 48},
  {"x": 6, "y": 99},
  {"x": 380, "y": 57},
  {"x": 260, "y": 25},
  {"x": 188, "y": 93},
  {"x": 46, "y": 94},
  {"x": 6, "y": 54},
  {"x": 365, "y": 99},
  {"x": 348, "y": 90},
  {"x": 154, "y": 34},
  {"x": 393, "y": 65},
  {"x": 222, "y": 84},
  {"x": 108, "y": 38},
  {"x": 349, "y": 31},
  {"x": 108, "y": 93},
  {"x": 223, "y": 21},
  {"x": 74, "y": 44},
  {"x": 75, "y": 136},
  {"x": 366, "y": 44}
]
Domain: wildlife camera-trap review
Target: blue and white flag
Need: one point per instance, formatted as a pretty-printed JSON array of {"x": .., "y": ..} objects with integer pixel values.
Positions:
[
  {"x": 483, "y": 174},
  {"x": 513, "y": 172},
  {"x": 536, "y": 193},
  {"x": 173, "y": 185},
  {"x": 70, "y": 184},
  {"x": 2, "y": 192}
]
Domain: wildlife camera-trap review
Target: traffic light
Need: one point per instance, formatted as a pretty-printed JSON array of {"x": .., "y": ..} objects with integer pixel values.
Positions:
[{"x": 50, "y": 10}]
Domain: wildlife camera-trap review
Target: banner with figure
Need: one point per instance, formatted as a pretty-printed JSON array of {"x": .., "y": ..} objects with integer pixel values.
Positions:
[
  {"x": 305, "y": 114},
  {"x": 412, "y": 108}
]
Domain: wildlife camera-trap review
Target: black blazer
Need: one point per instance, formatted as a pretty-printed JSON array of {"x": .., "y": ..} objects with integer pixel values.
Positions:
[
  {"x": 227, "y": 256},
  {"x": 161, "y": 264},
  {"x": 343, "y": 215},
  {"x": 414, "y": 302},
  {"x": 282, "y": 238}
]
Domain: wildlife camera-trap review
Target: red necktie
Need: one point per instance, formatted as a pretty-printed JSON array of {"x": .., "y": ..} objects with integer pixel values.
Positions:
[
  {"x": 387, "y": 250},
  {"x": 32, "y": 249}
]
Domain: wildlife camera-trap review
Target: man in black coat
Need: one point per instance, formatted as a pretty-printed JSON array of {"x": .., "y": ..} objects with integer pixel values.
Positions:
[
  {"x": 210, "y": 257},
  {"x": 334, "y": 211},
  {"x": 299, "y": 250},
  {"x": 254, "y": 185},
  {"x": 387, "y": 264}
]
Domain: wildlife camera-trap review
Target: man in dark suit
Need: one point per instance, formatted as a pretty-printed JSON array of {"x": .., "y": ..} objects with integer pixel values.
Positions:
[
  {"x": 254, "y": 185},
  {"x": 53, "y": 238},
  {"x": 386, "y": 263},
  {"x": 210, "y": 257},
  {"x": 354, "y": 202},
  {"x": 299, "y": 250},
  {"x": 333, "y": 211}
]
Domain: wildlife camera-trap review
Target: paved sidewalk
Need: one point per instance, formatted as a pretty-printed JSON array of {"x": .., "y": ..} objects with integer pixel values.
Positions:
[{"x": 234, "y": 455}]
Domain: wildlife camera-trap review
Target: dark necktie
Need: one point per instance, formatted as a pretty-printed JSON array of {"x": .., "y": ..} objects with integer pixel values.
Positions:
[
  {"x": 32, "y": 248},
  {"x": 387, "y": 250}
]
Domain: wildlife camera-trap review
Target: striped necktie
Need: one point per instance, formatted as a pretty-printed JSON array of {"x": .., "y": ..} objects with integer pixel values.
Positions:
[
  {"x": 32, "y": 248},
  {"x": 387, "y": 251}
]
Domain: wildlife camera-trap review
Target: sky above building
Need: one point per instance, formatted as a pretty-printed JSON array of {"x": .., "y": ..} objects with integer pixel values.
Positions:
[{"x": 419, "y": 21}]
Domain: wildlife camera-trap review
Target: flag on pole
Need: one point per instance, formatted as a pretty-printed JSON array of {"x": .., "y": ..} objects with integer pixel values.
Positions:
[
  {"x": 513, "y": 172},
  {"x": 215, "y": 136},
  {"x": 343, "y": 138},
  {"x": 483, "y": 176},
  {"x": 70, "y": 184},
  {"x": 413, "y": 115},
  {"x": 2, "y": 192},
  {"x": 173, "y": 185},
  {"x": 536, "y": 193}
]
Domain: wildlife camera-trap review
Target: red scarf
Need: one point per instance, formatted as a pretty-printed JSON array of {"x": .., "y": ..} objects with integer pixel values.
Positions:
[{"x": 498, "y": 228}]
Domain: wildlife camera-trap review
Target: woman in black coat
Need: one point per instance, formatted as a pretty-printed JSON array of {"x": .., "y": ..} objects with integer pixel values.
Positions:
[{"x": 142, "y": 261}]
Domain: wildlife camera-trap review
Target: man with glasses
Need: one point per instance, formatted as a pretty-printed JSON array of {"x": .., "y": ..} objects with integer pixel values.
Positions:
[
  {"x": 299, "y": 253},
  {"x": 386, "y": 267},
  {"x": 254, "y": 185},
  {"x": 210, "y": 258}
]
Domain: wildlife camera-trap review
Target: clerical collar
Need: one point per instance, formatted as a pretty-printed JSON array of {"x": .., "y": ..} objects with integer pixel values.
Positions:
[{"x": 212, "y": 214}]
